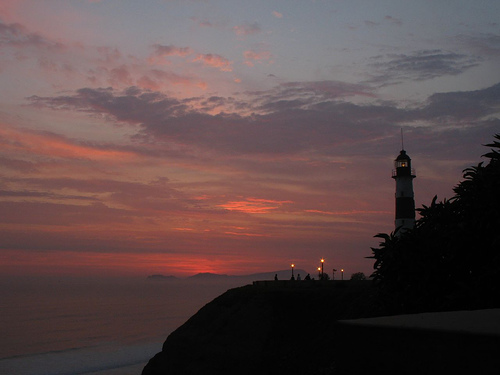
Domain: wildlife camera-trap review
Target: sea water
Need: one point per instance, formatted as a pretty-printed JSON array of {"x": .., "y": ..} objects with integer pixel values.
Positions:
[{"x": 99, "y": 327}]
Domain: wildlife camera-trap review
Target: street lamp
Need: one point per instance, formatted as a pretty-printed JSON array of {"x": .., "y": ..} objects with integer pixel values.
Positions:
[
  {"x": 342, "y": 270},
  {"x": 293, "y": 265},
  {"x": 322, "y": 263},
  {"x": 319, "y": 272}
]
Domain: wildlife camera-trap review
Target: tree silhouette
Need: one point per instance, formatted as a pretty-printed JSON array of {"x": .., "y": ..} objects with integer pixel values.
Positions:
[
  {"x": 356, "y": 276},
  {"x": 451, "y": 259}
]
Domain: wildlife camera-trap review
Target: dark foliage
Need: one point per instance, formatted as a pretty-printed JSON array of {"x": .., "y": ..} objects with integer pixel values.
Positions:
[
  {"x": 358, "y": 276},
  {"x": 451, "y": 259}
]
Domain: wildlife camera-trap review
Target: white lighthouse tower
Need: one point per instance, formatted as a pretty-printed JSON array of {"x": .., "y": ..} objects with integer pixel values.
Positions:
[{"x": 405, "y": 201}]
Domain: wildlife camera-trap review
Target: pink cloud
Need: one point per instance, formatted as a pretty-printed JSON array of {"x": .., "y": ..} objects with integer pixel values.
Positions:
[
  {"x": 277, "y": 14},
  {"x": 120, "y": 76},
  {"x": 46, "y": 144},
  {"x": 109, "y": 55},
  {"x": 247, "y": 29},
  {"x": 161, "y": 53},
  {"x": 9, "y": 8},
  {"x": 171, "y": 50},
  {"x": 101, "y": 65},
  {"x": 51, "y": 65},
  {"x": 252, "y": 56},
  {"x": 215, "y": 61},
  {"x": 158, "y": 80},
  {"x": 16, "y": 35}
]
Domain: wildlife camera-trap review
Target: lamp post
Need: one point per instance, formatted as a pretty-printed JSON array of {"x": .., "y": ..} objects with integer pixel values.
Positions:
[
  {"x": 319, "y": 273},
  {"x": 322, "y": 263},
  {"x": 342, "y": 270},
  {"x": 333, "y": 274},
  {"x": 293, "y": 265}
]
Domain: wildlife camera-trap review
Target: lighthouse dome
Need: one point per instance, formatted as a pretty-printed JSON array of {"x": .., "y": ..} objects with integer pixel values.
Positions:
[{"x": 403, "y": 155}]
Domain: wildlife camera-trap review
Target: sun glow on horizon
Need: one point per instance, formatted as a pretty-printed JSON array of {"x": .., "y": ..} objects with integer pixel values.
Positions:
[{"x": 122, "y": 264}]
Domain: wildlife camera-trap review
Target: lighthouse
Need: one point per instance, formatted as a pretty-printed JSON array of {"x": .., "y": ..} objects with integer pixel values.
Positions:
[{"x": 405, "y": 201}]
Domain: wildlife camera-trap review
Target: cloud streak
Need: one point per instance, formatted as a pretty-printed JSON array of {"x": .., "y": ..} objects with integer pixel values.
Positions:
[
  {"x": 421, "y": 65},
  {"x": 17, "y": 36}
]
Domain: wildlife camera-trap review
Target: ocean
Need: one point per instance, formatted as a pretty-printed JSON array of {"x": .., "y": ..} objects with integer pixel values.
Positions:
[{"x": 93, "y": 327}]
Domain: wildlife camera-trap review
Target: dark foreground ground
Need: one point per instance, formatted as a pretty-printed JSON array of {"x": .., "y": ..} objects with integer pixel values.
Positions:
[{"x": 293, "y": 328}]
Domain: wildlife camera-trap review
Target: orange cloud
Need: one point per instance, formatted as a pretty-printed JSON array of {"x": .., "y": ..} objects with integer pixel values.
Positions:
[{"x": 254, "y": 205}]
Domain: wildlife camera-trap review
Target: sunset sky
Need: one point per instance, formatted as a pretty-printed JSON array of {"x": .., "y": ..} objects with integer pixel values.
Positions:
[{"x": 176, "y": 137}]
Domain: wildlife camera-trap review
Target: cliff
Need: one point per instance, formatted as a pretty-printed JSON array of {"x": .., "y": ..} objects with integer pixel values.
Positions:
[
  {"x": 274, "y": 328},
  {"x": 298, "y": 328}
]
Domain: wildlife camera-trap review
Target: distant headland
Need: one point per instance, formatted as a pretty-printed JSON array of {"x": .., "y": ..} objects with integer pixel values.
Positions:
[{"x": 208, "y": 276}]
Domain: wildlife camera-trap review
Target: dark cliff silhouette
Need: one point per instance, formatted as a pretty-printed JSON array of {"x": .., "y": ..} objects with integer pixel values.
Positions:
[
  {"x": 283, "y": 329},
  {"x": 264, "y": 330}
]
